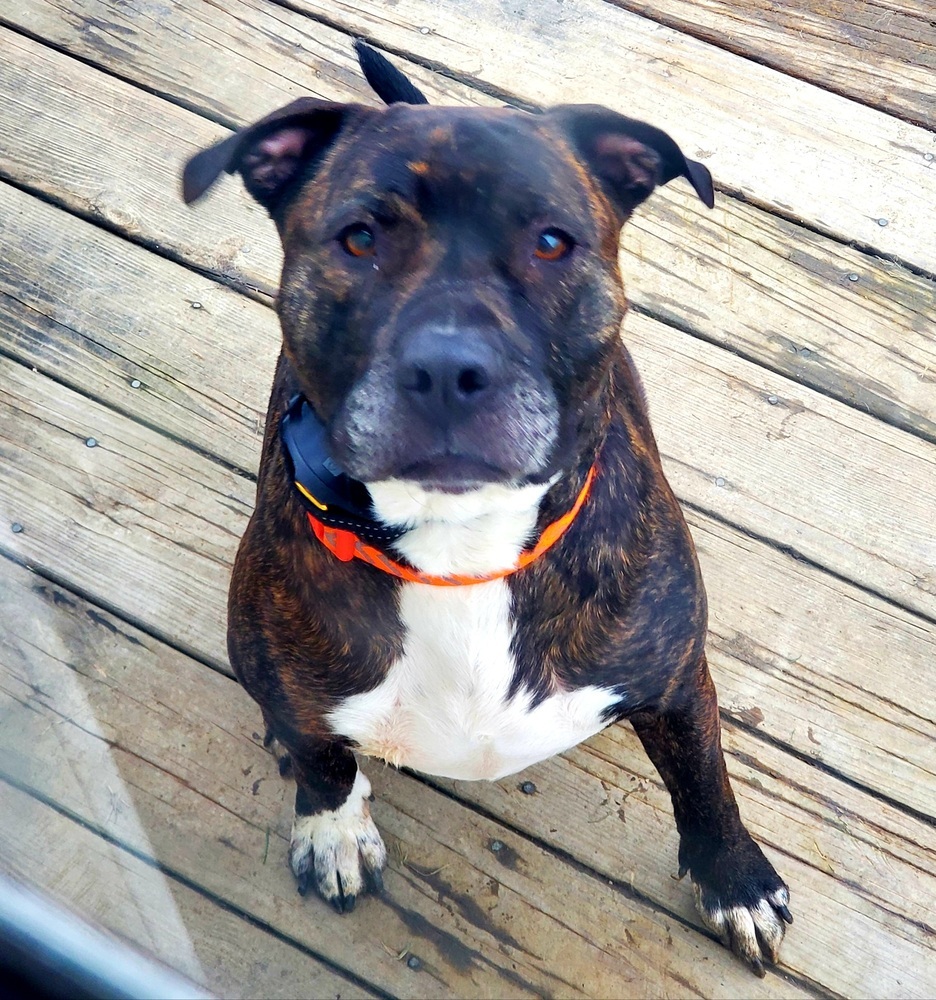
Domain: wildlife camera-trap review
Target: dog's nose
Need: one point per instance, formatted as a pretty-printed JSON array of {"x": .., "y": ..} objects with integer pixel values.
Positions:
[{"x": 447, "y": 375}]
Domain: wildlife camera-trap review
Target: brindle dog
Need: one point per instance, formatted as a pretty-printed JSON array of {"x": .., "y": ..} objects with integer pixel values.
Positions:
[{"x": 452, "y": 393}]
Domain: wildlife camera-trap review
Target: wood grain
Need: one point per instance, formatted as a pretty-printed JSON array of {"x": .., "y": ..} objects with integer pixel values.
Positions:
[
  {"x": 603, "y": 802},
  {"x": 118, "y": 892},
  {"x": 149, "y": 525},
  {"x": 760, "y": 286},
  {"x": 565, "y": 51},
  {"x": 83, "y": 692},
  {"x": 814, "y": 663},
  {"x": 182, "y": 740},
  {"x": 879, "y": 52},
  {"x": 157, "y": 342},
  {"x": 792, "y": 465},
  {"x": 759, "y": 464},
  {"x": 805, "y": 152},
  {"x": 151, "y": 747}
]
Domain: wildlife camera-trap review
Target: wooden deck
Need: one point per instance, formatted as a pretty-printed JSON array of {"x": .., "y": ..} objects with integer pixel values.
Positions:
[{"x": 788, "y": 344}]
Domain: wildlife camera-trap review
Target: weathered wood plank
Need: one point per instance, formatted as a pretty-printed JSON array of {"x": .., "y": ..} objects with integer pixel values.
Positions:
[
  {"x": 790, "y": 464},
  {"x": 131, "y": 186},
  {"x": 755, "y": 283},
  {"x": 843, "y": 166},
  {"x": 700, "y": 92},
  {"x": 775, "y": 460},
  {"x": 86, "y": 695},
  {"x": 604, "y": 803},
  {"x": 910, "y": 893},
  {"x": 852, "y": 326},
  {"x": 156, "y": 341},
  {"x": 147, "y": 524},
  {"x": 137, "y": 903},
  {"x": 861, "y": 872},
  {"x": 142, "y": 507},
  {"x": 879, "y": 52},
  {"x": 812, "y": 663}
]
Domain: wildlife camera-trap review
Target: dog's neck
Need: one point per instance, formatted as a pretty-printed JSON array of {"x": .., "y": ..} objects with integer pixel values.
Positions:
[{"x": 481, "y": 531}]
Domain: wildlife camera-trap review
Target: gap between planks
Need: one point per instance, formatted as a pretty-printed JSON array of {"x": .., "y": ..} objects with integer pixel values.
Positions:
[
  {"x": 861, "y": 323},
  {"x": 897, "y": 582},
  {"x": 860, "y": 50},
  {"x": 140, "y": 502},
  {"x": 140, "y": 903},
  {"x": 168, "y": 723},
  {"x": 773, "y": 446},
  {"x": 178, "y": 512},
  {"x": 179, "y": 739},
  {"x": 706, "y": 89}
]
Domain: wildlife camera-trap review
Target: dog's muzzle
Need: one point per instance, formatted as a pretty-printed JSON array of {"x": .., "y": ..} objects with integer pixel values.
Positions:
[{"x": 451, "y": 407}]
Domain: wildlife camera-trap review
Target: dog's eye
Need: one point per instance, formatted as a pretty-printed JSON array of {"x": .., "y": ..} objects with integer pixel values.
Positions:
[
  {"x": 553, "y": 244},
  {"x": 358, "y": 240}
]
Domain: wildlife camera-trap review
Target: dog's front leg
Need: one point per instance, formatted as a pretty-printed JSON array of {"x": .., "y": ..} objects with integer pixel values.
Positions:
[
  {"x": 335, "y": 845},
  {"x": 738, "y": 893}
]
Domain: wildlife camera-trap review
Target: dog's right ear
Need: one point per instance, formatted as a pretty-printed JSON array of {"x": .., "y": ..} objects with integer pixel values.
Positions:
[{"x": 272, "y": 154}]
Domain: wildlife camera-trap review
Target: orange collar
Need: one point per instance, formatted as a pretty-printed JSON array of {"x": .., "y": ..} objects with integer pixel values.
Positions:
[{"x": 345, "y": 545}]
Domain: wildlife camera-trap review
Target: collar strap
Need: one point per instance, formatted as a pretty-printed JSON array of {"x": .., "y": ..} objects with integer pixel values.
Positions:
[
  {"x": 326, "y": 491},
  {"x": 346, "y": 545}
]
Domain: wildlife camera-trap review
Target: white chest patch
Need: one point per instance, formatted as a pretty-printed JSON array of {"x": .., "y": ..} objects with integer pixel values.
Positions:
[{"x": 443, "y": 707}]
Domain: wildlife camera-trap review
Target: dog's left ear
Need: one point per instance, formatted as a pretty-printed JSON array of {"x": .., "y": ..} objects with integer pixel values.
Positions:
[
  {"x": 273, "y": 153},
  {"x": 629, "y": 157}
]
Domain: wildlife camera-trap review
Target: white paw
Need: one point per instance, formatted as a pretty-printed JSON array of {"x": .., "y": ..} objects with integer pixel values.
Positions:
[
  {"x": 754, "y": 932},
  {"x": 339, "y": 852}
]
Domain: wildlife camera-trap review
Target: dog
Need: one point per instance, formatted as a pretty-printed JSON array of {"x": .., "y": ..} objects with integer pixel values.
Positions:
[{"x": 465, "y": 557}]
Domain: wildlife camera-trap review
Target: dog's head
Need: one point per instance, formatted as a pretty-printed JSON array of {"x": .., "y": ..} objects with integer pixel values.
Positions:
[{"x": 450, "y": 299}]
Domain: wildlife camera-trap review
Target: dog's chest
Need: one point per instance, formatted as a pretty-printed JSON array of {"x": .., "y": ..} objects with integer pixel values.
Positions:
[{"x": 443, "y": 707}]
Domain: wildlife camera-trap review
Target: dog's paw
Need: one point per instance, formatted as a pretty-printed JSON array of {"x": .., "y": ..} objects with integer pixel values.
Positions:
[
  {"x": 740, "y": 897},
  {"x": 340, "y": 853}
]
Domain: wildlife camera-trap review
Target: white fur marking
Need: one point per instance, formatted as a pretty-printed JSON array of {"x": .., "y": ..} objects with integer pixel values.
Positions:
[
  {"x": 743, "y": 923},
  {"x": 443, "y": 707},
  {"x": 339, "y": 841},
  {"x": 481, "y": 531}
]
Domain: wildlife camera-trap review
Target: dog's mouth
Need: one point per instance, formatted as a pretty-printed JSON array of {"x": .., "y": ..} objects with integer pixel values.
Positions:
[{"x": 453, "y": 473}]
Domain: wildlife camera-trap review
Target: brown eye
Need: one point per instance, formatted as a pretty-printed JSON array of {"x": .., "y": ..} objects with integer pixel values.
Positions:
[
  {"x": 553, "y": 244},
  {"x": 358, "y": 240}
]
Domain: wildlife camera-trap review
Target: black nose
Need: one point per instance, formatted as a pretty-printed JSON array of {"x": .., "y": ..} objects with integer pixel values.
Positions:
[{"x": 447, "y": 375}]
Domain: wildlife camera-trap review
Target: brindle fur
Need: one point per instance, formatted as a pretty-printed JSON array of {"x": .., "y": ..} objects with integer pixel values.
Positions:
[{"x": 618, "y": 602}]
